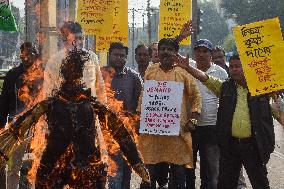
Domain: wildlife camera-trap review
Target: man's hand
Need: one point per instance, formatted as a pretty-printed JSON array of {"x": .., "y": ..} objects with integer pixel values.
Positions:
[
  {"x": 186, "y": 31},
  {"x": 181, "y": 61}
]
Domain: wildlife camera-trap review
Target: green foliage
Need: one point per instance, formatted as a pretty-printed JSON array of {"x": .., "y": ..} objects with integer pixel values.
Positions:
[
  {"x": 229, "y": 43},
  {"x": 247, "y": 11},
  {"x": 214, "y": 26}
]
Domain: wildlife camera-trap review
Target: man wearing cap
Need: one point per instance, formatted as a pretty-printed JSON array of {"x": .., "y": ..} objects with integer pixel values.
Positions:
[{"x": 204, "y": 136}]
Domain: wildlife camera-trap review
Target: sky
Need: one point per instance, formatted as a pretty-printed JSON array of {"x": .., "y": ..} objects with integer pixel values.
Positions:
[
  {"x": 18, "y": 3},
  {"x": 139, "y": 5}
]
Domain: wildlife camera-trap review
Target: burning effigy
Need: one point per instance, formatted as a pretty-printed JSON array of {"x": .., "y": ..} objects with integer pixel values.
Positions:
[{"x": 72, "y": 156}]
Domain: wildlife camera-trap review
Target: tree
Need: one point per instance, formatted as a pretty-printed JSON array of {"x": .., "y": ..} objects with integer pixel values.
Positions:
[
  {"x": 214, "y": 26},
  {"x": 247, "y": 11},
  {"x": 229, "y": 43}
]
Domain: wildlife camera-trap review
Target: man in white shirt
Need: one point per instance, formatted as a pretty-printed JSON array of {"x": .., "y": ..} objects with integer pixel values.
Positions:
[
  {"x": 204, "y": 136},
  {"x": 72, "y": 36}
]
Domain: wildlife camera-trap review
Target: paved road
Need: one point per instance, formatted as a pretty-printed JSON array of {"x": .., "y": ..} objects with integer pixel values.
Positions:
[{"x": 275, "y": 165}]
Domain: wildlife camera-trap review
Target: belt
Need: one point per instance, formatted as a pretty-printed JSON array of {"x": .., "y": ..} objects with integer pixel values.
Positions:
[{"x": 241, "y": 140}]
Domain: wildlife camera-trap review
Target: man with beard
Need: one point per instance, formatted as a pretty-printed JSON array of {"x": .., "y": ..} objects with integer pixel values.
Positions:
[
  {"x": 175, "y": 150},
  {"x": 142, "y": 58},
  {"x": 11, "y": 103},
  {"x": 126, "y": 85}
]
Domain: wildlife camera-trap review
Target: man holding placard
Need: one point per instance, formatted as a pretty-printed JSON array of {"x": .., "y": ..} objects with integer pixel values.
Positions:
[
  {"x": 165, "y": 137},
  {"x": 244, "y": 126}
]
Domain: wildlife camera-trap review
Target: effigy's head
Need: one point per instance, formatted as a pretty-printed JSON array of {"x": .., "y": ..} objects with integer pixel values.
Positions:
[{"x": 72, "y": 66}]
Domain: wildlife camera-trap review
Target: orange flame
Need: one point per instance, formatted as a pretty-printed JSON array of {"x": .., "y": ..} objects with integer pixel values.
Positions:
[{"x": 128, "y": 119}]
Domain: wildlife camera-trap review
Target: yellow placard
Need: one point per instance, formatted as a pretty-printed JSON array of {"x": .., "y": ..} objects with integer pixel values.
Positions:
[
  {"x": 95, "y": 16},
  {"x": 173, "y": 15},
  {"x": 119, "y": 27},
  {"x": 261, "y": 48}
]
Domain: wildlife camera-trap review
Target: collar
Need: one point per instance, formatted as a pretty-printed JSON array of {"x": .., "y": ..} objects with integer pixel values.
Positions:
[{"x": 211, "y": 69}]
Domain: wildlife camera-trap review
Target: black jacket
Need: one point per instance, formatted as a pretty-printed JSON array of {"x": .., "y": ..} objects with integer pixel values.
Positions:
[
  {"x": 260, "y": 116},
  {"x": 8, "y": 99}
]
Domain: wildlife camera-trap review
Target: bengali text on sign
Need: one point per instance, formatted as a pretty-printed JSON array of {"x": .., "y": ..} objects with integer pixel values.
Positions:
[
  {"x": 95, "y": 16},
  {"x": 173, "y": 15},
  {"x": 261, "y": 48}
]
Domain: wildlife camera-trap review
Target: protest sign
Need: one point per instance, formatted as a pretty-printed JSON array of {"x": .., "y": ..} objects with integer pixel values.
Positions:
[
  {"x": 161, "y": 107},
  {"x": 261, "y": 48},
  {"x": 95, "y": 16},
  {"x": 119, "y": 28},
  {"x": 173, "y": 15}
]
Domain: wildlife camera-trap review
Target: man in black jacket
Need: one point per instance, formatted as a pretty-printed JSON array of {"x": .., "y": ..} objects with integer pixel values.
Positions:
[
  {"x": 11, "y": 104},
  {"x": 244, "y": 127}
]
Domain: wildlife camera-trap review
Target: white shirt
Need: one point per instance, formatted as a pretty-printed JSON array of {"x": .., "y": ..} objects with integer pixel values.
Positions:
[
  {"x": 210, "y": 102},
  {"x": 92, "y": 76}
]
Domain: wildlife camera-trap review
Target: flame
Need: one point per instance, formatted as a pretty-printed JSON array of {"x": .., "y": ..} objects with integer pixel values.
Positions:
[
  {"x": 128, "y": 119},
  {"x": 30, "y": 94}
]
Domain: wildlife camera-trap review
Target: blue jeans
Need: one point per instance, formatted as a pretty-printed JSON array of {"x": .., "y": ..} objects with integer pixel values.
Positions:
[{"x": 123, "y": 174}]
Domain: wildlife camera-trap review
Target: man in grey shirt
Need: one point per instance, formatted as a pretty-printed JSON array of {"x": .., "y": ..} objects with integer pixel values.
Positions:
[{"x": 126, "y": 85}]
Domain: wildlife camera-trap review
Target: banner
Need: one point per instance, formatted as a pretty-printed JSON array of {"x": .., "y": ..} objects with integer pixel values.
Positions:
[
  {"x": 161, "y": 107},
  {"x": 119, "y": 28},
  {"x": 7, "y": 20},
  {"x": 173, "y": 15},
  {"x": 261, "y": 48},
  {"x": 95, "y": 16}
]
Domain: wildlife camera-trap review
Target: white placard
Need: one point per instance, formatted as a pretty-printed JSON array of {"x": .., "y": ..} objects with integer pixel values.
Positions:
[{"x": 161, "y": 107}]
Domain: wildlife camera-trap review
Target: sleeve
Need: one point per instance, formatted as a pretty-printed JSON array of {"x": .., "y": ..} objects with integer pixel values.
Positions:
[
  {"x": 100, "y": 86},
  {"x": 194, "y": 95},
  {"x": 137, "y": 91},
  {"x": 214, "y": 84},
  {"x": 93, "y": 79},
  {"x": 223, "y": 74},
  {"x": 51, "y": 78},
  {"x": 4, "y": 102}
]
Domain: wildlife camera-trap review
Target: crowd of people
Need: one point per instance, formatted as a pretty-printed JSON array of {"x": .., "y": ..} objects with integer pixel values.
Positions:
[{"x": 229, "y": 129}]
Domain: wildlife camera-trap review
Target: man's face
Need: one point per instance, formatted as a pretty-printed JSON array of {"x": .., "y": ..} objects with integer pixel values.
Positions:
[
  {"x": 118, "y": 58},
  {"x": 218, "y": 58},
  {"x": 202, "y": 55},
  {"x": 154, "y": 55},
  {"x": 236, "y": 70},
  {"x": 166, "y": 52},
  {"x": 142, "y": 56},
  {"x": 75, "y": 40},
  {"x": 28, "y": 58}
]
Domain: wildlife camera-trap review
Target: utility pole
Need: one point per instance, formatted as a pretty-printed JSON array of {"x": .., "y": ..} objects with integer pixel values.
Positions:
[
  {"x": 133, "y": 28},
  {"x": 149, "y": 22},
  {"x": 194, "y": 19}
]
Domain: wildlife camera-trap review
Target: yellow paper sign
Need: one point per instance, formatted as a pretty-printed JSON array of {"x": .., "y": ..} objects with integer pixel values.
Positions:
[
  {"x": 119, "y": 27},
  {"x": 95, "y": 16},
  {"x": 173, "y": 15},
  {"x": 261, "y": 48}
]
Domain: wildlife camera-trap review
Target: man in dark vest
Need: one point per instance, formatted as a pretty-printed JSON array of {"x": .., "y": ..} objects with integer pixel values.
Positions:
[{"x": 244, "y": 127}]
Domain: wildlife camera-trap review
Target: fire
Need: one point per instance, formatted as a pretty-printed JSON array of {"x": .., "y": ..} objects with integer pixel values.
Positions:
[
  {"x": 128, "y": 119},
  {"x": 30, "y": 94}
]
